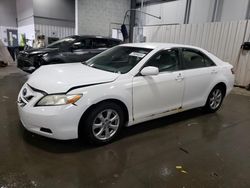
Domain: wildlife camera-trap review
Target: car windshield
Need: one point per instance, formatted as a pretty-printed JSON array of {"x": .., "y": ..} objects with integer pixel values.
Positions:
[
  {"x": 62, "y": 42},
  {"x": 120, "y": 59}
]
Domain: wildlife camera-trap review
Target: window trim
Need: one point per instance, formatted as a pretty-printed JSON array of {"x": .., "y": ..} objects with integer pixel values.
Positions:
[
  {"x": 80, "y": 40},
  {"x": 160, "y": 51},
  {"x": 198, "y": 52}
]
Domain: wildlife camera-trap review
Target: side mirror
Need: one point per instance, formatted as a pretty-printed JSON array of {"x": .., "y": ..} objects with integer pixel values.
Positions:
[
  {"x": 75, "y": 46},
  {"x": 149, "y": 71}
]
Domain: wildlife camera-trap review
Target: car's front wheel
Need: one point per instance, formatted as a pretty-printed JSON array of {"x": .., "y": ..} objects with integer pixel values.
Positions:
[
  {"x": 103, "y": 123},
  {"x": 214, "y": 100}
]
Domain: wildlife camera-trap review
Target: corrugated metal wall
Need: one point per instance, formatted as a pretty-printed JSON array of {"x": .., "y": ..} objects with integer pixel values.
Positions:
[
  {"x": 54, "y": 31},
  {"x": 223, "y": 39}
]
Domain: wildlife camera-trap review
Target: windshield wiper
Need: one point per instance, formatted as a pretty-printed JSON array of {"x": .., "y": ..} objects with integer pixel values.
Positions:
[{"x": 85, "y": 63}]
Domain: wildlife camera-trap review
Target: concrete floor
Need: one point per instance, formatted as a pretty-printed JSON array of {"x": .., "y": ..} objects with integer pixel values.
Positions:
[{"x": 213, "y": 150}]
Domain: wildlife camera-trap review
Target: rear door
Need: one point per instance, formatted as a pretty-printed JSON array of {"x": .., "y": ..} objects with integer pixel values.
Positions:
[
  {"x": 159, "y": 94},
  {"x": 198, "y": 72}
]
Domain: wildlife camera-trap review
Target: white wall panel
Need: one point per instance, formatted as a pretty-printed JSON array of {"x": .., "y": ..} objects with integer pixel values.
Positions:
[
  {"x": 170, "y": 12},
  {"x": 96, "y": 16},
  {"x": 201, "y": 11},
  {"x": 234, "y": 10},
  {"x": 224, "y": 39},
  {"x": 8, "y": 13}
]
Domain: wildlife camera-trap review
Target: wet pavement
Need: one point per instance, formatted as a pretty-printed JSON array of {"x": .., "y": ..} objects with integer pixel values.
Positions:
[{"x": 191, "y": 149}]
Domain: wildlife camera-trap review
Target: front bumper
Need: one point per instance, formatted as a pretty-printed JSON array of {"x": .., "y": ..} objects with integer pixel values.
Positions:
[
  {"x": 25, "y": 64},
  {"x": 29, "y": 63},
  {"x": 58, "y": 122}
]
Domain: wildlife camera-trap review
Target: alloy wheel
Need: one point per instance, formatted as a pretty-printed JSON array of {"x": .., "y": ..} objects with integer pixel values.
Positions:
[
  {"x": 215, "y": 99},
  {"x": 105, "y": 124}
]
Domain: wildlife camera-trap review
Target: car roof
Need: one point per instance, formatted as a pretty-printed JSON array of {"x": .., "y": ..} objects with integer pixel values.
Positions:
[
  {"x": 160, "y": 45},
  {"x": 94, "y": 36}
]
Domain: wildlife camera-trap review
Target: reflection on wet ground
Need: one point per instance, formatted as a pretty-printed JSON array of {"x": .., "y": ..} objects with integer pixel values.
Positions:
[{"x": 190, "y": 149}]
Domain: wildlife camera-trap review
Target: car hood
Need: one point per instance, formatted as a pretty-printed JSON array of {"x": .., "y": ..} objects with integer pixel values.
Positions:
[{"x": 65, "y": 77}]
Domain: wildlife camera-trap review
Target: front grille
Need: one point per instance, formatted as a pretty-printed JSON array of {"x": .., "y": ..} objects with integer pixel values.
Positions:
[
  {"x": 24, "y": 60},
  {"x": 29, "y": 94},
  {"x": 26, "y": 95},
  {"x": 24, "y": 63},
  {"x": 28, "y": 98},
  {"x": 21, "y": 102}
]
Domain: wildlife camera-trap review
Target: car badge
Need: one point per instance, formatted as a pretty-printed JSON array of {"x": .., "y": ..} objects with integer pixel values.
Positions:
[{"x": 24, "y": 91}]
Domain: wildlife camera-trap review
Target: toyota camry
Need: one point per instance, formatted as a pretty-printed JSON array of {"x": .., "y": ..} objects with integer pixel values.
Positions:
[{"x": 125, "y": 85}]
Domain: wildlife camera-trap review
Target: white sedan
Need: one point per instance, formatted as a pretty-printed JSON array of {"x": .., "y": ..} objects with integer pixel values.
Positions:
[{"x": 122, "y": 86}]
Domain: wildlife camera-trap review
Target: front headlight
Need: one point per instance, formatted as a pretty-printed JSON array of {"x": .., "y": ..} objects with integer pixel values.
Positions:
[
  {"x": 60, "y": 99},
  {"x": 45, "y": 56}
]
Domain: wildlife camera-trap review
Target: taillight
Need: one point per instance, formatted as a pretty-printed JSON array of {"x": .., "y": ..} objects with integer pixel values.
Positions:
[{"x": 232, "y": 70}]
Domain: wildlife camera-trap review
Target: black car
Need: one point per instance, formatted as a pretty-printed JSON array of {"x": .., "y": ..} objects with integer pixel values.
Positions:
[{"x": 67, "y": 50}]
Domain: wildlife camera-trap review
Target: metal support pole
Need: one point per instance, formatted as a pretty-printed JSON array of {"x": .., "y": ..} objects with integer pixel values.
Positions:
[
  {"x": 187, "y": 11},
  {"x": 248, "y": 11},
  {"x": 132, "y": 20},
  {"x": 218, "y": 5},
  {"x": 76, "y": 17}
]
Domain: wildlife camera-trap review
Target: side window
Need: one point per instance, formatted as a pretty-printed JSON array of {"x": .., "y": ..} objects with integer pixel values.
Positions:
[
  {"x": 100, "y": 43},
  {"x": 166, "y": 61},
  {"x": 195, "y": 59},
  {"x": 208, "y": 61},
  {"x": 82, "y": 44}
]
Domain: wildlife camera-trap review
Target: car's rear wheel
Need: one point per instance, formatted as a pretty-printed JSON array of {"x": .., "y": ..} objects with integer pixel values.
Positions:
[
  {"x": 102, "y": 124},
  {"x": 214, "y": 100}
]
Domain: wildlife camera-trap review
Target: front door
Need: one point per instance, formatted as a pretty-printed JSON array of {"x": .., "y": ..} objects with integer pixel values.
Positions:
[{"x": 162, "y": 93}]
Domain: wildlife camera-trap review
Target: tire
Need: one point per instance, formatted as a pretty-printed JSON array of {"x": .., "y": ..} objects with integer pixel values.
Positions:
[
  {"x": 214, "y": 100},
  {"x": 102, "y": 124}
]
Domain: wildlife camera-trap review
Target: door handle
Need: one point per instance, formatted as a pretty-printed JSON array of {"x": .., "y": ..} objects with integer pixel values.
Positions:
[
  {"x": 179, "y": 77},
  {"x": 214, "y": 71}
]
